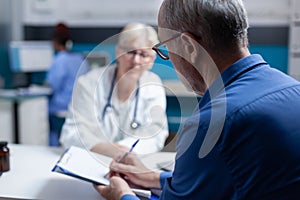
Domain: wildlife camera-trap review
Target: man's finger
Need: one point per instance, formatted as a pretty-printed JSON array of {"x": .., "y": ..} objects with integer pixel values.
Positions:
[
  {"x": 102, "y": 189},
  {"x": 120, "y": 167}
]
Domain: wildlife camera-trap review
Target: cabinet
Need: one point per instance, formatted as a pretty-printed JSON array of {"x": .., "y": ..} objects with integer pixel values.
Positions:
[
  {"x": 33, "y": 121},
  {"x": 294, "y": 41},
  {"x": 6, "y": 118},
  {"x": 24, "y": 118}
]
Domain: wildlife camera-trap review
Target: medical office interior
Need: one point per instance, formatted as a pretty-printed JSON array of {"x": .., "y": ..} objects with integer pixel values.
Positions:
[{"x": 26, "y": 51}]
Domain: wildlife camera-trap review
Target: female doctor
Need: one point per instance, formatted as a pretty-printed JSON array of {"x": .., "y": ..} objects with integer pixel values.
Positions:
[{"x": 114, "y": 106}]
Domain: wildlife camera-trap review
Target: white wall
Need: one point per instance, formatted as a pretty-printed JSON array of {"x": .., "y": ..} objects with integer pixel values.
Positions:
[
  {"x": 90, "y": 12},
  {"x": 10, "y": 20},
  {"x": 268, "y": 12},
  {"x": 120, "y": 12}
]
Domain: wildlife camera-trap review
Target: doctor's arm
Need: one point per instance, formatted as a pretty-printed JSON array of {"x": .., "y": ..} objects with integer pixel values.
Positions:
[{"x": 80, "y": 121}]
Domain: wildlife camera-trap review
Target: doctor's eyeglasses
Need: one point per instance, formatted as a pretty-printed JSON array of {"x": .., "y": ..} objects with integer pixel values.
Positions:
[
  {"x": 136, "y": 52},
  {"x": 142, "y": 54},
  {"x": 161, "y": 48}
]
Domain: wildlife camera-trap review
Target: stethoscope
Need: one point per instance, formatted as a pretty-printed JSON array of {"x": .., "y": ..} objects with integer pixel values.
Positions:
[{"x": 134, "y": 123}]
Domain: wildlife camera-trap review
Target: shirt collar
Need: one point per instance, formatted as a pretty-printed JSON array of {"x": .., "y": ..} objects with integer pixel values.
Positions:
[
  {"x": 230, "y": 74},
  {"x": 241, "y": 66}
]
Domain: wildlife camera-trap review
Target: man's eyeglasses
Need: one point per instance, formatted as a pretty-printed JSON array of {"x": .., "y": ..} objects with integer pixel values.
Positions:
[{"x": 161, "y": 48}]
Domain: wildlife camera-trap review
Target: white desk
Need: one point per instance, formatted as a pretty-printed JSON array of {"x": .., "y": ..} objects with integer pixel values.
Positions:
[{"x": 30, "y": 175}]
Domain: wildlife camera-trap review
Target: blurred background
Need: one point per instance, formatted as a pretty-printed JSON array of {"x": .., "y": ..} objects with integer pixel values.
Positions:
[{"x": 26, "y": 27}]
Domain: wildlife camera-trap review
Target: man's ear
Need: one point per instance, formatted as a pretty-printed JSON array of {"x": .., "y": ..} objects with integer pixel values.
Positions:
[{"x": 190, "y": 46}]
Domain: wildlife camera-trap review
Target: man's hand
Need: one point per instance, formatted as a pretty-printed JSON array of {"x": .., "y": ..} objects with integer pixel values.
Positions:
[
  {"x": 115, "y": 190},
  {"x": 134, "y": 171}
]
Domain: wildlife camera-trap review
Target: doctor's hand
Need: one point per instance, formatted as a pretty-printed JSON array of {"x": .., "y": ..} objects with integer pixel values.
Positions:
[
  {"x": 115, "y": 190},
  {"x": 135, "y": 172}
]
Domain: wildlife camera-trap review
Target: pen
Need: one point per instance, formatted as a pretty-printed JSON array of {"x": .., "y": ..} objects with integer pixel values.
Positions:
[
  {"x": 124, "y": 155},
  {"x": 128, "y": 152}
]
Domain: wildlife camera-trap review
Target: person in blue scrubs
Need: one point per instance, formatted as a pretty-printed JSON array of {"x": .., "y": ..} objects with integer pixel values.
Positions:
[
  {"x": 61, "y": 76},
  {"x": 242, "y": 141}
]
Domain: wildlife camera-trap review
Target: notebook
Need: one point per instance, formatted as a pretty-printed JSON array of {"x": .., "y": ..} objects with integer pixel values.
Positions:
[{"x": 88, "y": 166}]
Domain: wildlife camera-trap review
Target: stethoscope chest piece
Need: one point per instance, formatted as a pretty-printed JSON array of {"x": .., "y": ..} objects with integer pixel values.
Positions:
[
  {"x": 134, "y": 125},
  {"x": 109, "y": 109}
]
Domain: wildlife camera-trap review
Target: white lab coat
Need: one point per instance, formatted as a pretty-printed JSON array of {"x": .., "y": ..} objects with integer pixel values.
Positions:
[{"x": 86, "y": 127}]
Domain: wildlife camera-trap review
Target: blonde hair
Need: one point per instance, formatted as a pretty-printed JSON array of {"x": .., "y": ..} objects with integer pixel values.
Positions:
[{"x": 138, "y": 32}]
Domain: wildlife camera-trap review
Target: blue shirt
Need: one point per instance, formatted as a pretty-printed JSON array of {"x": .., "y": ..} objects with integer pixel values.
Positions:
[
  {"x": 241, "y": 142},
  {"x": 61, "y": 77}
]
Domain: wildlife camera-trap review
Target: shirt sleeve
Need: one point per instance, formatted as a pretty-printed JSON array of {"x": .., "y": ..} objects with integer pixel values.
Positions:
[
  {"x": 81, "y": 125},
  {"x": 164, "y": 176},
  {"x": 129, "y": 197},
  {"x": 84, "y": 68}
]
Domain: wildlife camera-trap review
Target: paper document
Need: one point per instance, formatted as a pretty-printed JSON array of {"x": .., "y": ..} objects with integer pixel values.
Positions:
[{"x": 86, "y": 165}]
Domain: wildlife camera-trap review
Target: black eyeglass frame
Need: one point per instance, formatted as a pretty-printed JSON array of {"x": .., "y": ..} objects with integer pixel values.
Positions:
[{"x": 161, "y": 54}]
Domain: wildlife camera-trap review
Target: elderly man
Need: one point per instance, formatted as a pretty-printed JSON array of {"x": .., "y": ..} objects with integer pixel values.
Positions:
[{"x": 243, "y": 140}]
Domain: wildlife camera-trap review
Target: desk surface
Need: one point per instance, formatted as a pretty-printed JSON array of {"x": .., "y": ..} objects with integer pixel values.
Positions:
[
  {"x": 30, "y": 175},
  {"x": 24, "y": 93},
  {"x": 176, "y": 88}
]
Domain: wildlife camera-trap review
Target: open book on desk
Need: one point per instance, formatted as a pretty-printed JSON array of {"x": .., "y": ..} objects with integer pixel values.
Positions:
[{"x": 88, "y": 166}]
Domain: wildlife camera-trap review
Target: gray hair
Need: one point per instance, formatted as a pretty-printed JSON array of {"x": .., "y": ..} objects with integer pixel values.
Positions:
[
  {"x": 138, "y": 32},
  {"x": 222, "y": 23}
]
